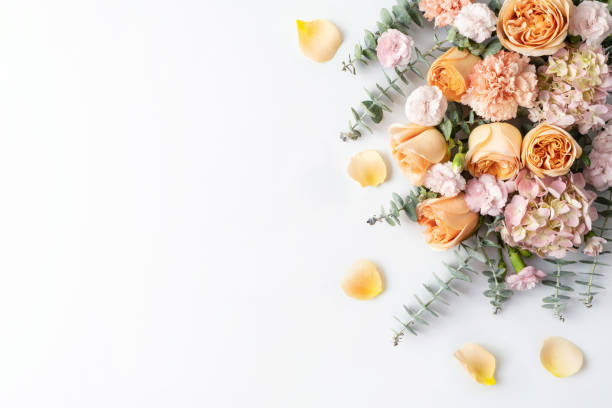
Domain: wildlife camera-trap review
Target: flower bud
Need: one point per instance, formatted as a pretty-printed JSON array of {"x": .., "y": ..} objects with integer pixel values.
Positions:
[{"x": 459, "y": 162}]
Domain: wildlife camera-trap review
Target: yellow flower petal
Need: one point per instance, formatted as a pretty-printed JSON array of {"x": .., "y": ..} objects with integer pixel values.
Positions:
[
  {"x": 362, "y": 281},
  {"x": 367, "y": 168},
  {"x": 478, "y": 362},
  {"x": 319, "y": 39},
  {"x": 561, "y": 357}
]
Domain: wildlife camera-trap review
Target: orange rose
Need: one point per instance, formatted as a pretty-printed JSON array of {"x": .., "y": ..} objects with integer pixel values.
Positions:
[
  {"x": 450, "y": 72},
  {"x": 534, "y": 27},
  {"x": 448, "y": 220},
  {"x": 494, "y": 148},
  {"x": 549, "y": 150},
  {"x": 416, "y": 148}
]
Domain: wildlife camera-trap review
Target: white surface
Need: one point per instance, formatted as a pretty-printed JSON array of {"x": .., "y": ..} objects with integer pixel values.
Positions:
[{"x": 176, "y": 218}]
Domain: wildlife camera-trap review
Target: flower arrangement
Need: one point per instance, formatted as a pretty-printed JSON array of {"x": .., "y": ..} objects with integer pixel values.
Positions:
[{"x": 501, "y": 194}]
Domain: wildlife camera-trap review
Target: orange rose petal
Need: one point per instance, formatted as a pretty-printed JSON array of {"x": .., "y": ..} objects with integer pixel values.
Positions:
[
  {"x": 549, "y": 150},
  {"x": 319, "y": 39},
  {"x": 368, "y": 168},
  {"x": 494, "y": 148},
  {"x": 450, "y": 71},
  {"x": 362, "y": 281},
  {"x": 478, "y": 362}
]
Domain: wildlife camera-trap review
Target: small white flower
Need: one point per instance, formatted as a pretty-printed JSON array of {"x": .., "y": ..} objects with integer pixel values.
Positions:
[
  {"x": 476, "y": 21},
  {"x": 426, "y": 106}
]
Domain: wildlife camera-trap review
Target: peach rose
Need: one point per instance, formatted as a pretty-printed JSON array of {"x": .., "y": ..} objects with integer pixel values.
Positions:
[
  {"x": 448, "y": 220},
  {"x": 495, "y": 149},
  {"x": 549, "y": 150},
  {"x": 450, "y": 72},
  {"x": 534, "y": 27},
  {"x": 416, "y": 148}
]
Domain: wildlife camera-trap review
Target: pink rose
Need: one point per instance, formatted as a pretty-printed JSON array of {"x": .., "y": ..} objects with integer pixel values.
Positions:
[
  {"x": 394, "y": 48},
  {"x": 476, "y": 21},
  {"x": 592, "y": 21},
  {"x": 527, "y": 278},
  {"x": 426, "y": 106},
  {"x": 441, "y": 178},
  {"x": 486, "y": 195},
  {"x": 593, "y": 246}
]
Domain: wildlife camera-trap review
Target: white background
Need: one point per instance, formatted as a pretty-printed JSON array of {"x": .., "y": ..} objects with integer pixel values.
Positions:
[{"x": 176, "y": 218}]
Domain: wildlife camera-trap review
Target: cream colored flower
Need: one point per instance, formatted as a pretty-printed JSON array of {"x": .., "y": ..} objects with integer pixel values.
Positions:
[{"x": 495, "y": 149}]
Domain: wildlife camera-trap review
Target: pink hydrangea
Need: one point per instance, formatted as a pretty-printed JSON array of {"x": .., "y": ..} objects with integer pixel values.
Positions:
[
  {"x": 441, "y": 179},
  {"x": 486, "y": 195},
  {"x": 599, "y": 172},
  {"x": 501, "y": 83},
  {"x": 394, "y": 48},
  {"x": 476, "y": 21},
  {"x": 574, "y": 85},
  {"x": 443, "y": 11},
  {"x": 526, "y": 279},
  {"x": 592, "y": 21},
  {"x": 549, "y": 216},
  {"x": 426, "y": 106},
  {"x": 594, "y": 246}
]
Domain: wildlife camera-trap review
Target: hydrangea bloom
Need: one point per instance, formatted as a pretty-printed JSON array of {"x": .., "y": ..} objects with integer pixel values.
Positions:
[
  {"x": 573, "y": 88},
  {"x": 549, "y": 216},
  {"x": 499, "y": 84},
  {"x": 476, "y": 21},
  {"x": 394, "y": 48},
  {"x": 526, "y": 279},
  {"x": 441, "y": 179},
  {"x": 443, "y": 11},
  {"x": 426, "y": 106},
  {"x": 599, "y": 173},
  {"x": 487, "y": 195}
]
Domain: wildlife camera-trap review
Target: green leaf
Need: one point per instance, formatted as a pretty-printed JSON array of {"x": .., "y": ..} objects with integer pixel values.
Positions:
[
  {"x": 606, "y": 213},
  {"x": 382, "y": 27},
  {"x": 591, "y": 284},
  {"x": 401, "y": 15},
  {"x": 416, "y": 17},
  {"x": 414, "y": 316},
  {"x": 358, "y": 51},
  {"x": 355, "y": 114},
  {"x": 458, "y": 273},
  {"x": 385, "y": 16},
  {"x": 492, "y": 48},
  {"x": 375, "y": 111},
  {"x": 370, "y": 40},
  {"x": 370, "y": 54},
  {"x": 559, "y": 261},
  {"x": 447, "y": 128}
]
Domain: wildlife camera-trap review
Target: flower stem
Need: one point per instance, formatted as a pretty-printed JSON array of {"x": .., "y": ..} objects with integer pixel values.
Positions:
[{"x": 515, "y": 259}]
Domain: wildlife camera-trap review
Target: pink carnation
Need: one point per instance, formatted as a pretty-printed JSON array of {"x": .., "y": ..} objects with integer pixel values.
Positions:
[
  {"x": 592, "y": 21},
  {"x": 486, "y": 195},
  {"x": 593, "y": 246},
  {"x": 394, "y": 48},
  {"x": 599, "y": 172},
  {"x": 441, "y": 179},
  {"x": 443, "y": 11},
  {"x": 526, "y": 279},
  {"x": 426, "y": 106},
  {"x": 501, "y": 83}
]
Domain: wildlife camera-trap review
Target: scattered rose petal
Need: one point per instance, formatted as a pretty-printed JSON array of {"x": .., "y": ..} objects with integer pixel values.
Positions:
[
  {"x": 561, "y": 357},
  {"x": 319, "y": 39},
  {"x": 362, "y": 281},
  {"x": 368, "y": 168},
  {"x": 478, "y": 362}
]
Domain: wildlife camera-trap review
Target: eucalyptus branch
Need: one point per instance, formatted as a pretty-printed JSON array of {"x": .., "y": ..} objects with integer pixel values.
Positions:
[
  {"x": 400, "y": 18},
  {"x": 558, "y": 302},
  {"x": 374, "y": 107},
  {"x": 496, "y": 272},
  {"x": 398, "y": 205},
  {"x": 416, "y": 313},
  {"x": 589, "y": 294}
]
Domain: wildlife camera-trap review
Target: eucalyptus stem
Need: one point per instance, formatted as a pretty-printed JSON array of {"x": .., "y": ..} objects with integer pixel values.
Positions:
[{"x": 588, "y": 296}]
